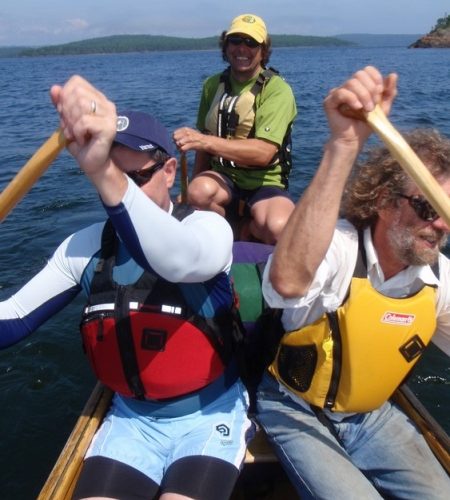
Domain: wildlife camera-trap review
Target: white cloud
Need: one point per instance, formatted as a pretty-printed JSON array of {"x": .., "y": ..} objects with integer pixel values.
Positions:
[
  {"x": 78, "y": 24},
  {"x": 28, "y": 22}
]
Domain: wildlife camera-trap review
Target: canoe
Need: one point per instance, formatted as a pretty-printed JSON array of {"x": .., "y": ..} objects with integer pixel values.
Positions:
[{"x": 63, "y": 477}]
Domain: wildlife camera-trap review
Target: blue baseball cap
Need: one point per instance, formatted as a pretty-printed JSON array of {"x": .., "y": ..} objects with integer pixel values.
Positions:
[{"x": 142, "y": 132}]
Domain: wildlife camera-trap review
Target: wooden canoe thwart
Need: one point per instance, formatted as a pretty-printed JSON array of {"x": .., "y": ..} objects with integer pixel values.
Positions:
[{"x": 64, "y": 475}]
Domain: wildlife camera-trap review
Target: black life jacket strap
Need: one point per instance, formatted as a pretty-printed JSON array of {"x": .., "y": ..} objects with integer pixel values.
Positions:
[
  {"x": 102, "y": 279},
  {"x": 228, "y": 119},
  {"x": 262, "y": 79},
  {"x": 337, "y": 359},
  {"x": 103, "y": 282},
  {"x": 231, "y": 121},
  {"x": 126, "y": 346},
  {"x": 284, "y": 157},
  {"x": 359, "y": 271},
  {"x": 323, "y": 418},
  {"x": 223, "y": 344}
]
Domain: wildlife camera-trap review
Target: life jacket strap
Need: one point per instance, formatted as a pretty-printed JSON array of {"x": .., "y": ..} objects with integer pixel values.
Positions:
[
  {"x": 228, "y": 120},
  {"x": 126, "y": 347},
  {"x": 323, "y": 418}
]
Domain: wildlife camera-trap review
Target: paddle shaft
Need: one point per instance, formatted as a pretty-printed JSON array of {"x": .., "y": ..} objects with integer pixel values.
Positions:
[
  {"x": 408, "y": 160},
  {"x": 30, "y": 173},
  {"x": 184, "y": 177}
]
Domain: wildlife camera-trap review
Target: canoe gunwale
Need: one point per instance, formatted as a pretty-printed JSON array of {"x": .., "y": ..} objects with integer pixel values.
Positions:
[
  {"x": 64, "y": 475},
  {"x": 437, "y": 439}
]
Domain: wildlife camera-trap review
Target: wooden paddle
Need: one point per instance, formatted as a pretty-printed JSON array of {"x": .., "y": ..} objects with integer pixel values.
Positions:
[
  {"x": 30, "y": 173},
  {"x": 184, "y": 177},
  {"x": 407, "y": 159}
]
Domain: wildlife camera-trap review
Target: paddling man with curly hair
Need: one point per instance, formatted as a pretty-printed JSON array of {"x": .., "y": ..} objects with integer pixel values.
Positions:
[{"x": 364, "y": 288}]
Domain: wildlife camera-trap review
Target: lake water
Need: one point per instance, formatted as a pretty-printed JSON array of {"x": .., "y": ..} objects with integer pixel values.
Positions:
[{"x": 45, "y": 380}]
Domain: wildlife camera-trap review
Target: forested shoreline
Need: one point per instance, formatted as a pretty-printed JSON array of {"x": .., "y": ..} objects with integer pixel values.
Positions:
[{"x": 144, "y": 43}]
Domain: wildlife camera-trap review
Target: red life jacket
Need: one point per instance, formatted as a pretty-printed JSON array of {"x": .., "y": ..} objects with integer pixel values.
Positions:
[{"x": 144, "y": 340}]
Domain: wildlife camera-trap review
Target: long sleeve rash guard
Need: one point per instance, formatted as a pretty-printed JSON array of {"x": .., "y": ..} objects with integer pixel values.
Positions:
[{"x": 192, "y": 250}]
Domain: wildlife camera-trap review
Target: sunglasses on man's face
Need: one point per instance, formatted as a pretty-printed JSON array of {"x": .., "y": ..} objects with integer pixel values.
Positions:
[
  {"x": 237, "y": 40},
  {"x": 421, "y": 206},
  {"x": 142, "y": 176}
]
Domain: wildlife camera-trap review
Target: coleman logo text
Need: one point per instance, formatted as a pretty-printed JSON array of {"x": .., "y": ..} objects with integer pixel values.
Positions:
[{"x": 394, "y": 318}]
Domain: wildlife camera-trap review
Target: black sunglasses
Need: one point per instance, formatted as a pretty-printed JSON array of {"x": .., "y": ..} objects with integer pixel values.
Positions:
[
  {"x": 141, "y": 177},
  {"x": 421, "y": 206},
  {"x": 237, "y": 40}
]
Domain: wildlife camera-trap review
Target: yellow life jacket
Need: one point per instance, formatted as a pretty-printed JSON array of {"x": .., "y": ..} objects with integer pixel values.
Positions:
[
  {"x": 353, "y": 359},
  {"x": 233, "y": 117}
]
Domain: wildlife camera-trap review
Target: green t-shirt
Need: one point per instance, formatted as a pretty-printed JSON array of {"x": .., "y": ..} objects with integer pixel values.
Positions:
[{"x": 275, "y": 111}]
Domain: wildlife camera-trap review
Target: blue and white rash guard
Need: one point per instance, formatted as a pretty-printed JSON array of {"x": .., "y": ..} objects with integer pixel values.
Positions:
[{"x": 196, "y": 249}]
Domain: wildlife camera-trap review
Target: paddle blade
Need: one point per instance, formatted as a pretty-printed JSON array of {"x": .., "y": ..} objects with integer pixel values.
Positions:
[
  {"x": 410, "y": 162},
  {"x": 30, "y": 173},
  {"x": 406, "y": 157}
]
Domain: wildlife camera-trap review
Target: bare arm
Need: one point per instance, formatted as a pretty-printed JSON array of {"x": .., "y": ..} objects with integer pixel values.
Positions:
[
  {"x": 308, "y": 233},
  {"x": 255, "y": 152}
]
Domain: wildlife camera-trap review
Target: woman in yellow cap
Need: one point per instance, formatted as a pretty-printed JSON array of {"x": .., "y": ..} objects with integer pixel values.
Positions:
[{"x": 243, "y": 142}]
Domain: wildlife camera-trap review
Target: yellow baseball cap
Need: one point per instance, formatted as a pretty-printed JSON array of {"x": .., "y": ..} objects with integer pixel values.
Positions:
[{"x": 250, "y": 25}]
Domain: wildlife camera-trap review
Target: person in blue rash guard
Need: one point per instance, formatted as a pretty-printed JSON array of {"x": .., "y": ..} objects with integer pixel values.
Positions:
[{"x": 158, "y": 320}]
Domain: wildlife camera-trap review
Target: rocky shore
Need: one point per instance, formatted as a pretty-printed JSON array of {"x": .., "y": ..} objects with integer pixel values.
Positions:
[{"x": 438, "y": 38}]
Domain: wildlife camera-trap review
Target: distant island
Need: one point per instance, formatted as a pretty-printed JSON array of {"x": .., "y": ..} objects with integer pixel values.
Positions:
[
  {"x": 147, "y": 43},
  {"x": 437, "y": 38}
]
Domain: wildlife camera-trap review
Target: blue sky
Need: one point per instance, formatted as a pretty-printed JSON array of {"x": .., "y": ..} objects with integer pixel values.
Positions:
[{"x": 42, "y": 22}]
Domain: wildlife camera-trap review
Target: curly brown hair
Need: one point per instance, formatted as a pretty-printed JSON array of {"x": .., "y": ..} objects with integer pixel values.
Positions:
[
  {"x": 266, "y": 48},
  {"x": 378, "y": 181}
]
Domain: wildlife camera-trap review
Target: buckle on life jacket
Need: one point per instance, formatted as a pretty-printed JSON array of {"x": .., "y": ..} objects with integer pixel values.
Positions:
[
  {"x": 413, "y": 348},
  {"x": 153, "y": 340}
]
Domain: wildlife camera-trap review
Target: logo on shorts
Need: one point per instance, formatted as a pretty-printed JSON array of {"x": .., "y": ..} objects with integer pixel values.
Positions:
[{"x": 223, "y": 429}]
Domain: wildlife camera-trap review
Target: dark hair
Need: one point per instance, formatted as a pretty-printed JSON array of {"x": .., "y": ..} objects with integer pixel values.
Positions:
[
  {"x": 378, "y": 181},
  {"x": 266, "y": 49}
]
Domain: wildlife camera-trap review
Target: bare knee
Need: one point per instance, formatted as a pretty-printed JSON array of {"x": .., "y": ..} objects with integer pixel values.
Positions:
[
  {"x": 264, "y": 232},
  {"x": 270, "y": 218},
  {"x": 209, "y": 192},
  {"x": 276, "y": 224},
  {"x": 201, "y": 192}
]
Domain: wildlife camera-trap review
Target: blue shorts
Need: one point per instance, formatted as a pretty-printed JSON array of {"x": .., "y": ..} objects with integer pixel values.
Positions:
[
  {"x": 151, "y": 444},
  {"x": 242, "y": 200}
]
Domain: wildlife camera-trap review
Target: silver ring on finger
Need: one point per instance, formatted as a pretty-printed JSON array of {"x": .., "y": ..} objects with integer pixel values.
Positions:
[{"x": 93, "y": 107}]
